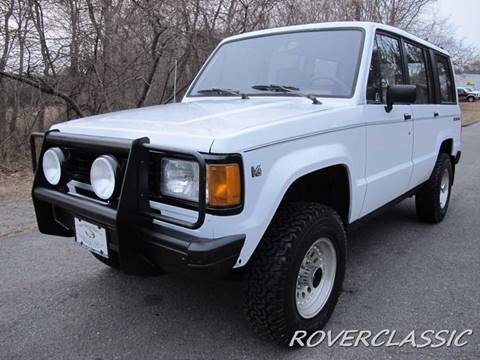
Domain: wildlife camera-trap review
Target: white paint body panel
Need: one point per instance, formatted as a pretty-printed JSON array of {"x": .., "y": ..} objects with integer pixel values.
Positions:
[
  {"x": 290, "y": 137},
  {"x": 429, "y": 133},
  {"x": 389, "y": 160}
]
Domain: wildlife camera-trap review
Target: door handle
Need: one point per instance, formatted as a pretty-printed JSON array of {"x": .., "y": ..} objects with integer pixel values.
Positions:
[
  {"x": 436, "y": 114},
  {"x": 407, "y": 116}
]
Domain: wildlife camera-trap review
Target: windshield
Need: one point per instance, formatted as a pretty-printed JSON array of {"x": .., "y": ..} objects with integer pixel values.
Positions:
[{"x": 321, "y": 63}]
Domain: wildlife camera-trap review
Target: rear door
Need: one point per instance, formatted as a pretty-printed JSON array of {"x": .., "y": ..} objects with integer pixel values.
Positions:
[
  {"x": 425, "y": 110},
  {"x": 389, "y": 134},
  {"x": 433, "y": 121}
]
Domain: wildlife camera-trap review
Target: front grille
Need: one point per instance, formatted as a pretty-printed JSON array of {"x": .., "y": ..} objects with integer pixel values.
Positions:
[
  {"x": 80, "y": 161},
  {"x": 79, "y": 164},
  {"x": 81, "y": 151}
]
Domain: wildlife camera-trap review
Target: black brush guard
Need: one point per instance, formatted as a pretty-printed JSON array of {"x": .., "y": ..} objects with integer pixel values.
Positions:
[{"x": 131, "y": 231}]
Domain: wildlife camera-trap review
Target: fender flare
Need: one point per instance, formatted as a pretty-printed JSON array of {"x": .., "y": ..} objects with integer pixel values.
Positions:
[{"x": 278, "y": 181}]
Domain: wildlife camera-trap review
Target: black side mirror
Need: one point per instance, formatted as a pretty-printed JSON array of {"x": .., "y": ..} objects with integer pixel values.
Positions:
[{"x": 406, "y": 94}]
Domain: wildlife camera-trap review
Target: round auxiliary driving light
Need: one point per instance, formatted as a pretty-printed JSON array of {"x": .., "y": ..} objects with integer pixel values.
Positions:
[
  {"x": 52, "y": 165},
  {"x": 103, "y": 176}
]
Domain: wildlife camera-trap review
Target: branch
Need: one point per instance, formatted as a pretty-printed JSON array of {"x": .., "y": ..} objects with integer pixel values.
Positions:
[
  {"x": 45, "y": 88},
  {"x": 148, "y": 83},
  {"x": 179, "y": 91}
]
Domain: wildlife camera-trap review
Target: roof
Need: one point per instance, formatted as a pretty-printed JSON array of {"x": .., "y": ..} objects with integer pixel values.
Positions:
[{"x": 369, "y": 27}]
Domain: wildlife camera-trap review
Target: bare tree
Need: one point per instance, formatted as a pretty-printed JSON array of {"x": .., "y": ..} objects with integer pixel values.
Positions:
[
  {"x": 8, "y": 6},
  {"x": 62, "y": 59}
]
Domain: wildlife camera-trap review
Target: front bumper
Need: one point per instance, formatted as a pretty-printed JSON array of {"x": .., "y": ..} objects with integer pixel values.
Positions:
[{"x": 132, "y": 233}]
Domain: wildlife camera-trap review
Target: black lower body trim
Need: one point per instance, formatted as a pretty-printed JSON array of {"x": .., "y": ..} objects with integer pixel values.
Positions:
[
  {"x": 162, "y": 246},
  {"x": 359, "y": 222},
  {"x": 172, "y": 249},
  {"x": 457, "y": 157}
]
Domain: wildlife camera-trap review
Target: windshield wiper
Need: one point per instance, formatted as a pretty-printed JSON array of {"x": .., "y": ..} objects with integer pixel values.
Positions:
[
  {"x": 286, "y": 89},
  {"x": 223, "y": 91}
]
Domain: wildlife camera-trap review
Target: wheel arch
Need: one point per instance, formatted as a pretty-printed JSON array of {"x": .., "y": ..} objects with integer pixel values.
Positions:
[
  {"x": 329, "y": 186},
  {"x": 336, "y": 173},
  {"x": 288, "y": 166},
  {"x": 447, "y": 147}
]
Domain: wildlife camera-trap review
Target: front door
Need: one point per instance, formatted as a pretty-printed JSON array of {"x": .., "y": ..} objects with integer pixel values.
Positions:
[{"x": 389, "y": 134}]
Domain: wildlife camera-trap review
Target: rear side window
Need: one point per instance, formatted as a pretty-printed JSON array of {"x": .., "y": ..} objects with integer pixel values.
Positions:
[
  {"x": 386, "y": 68},
  {"x": 445, "y": 80},
  {"x": 417, "y": 72}
]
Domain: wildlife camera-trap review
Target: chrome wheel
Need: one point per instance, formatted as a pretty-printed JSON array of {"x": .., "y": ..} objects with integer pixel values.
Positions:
[
  {"x": 315, "y": 278},
  {"x": 444, "y": 188}
]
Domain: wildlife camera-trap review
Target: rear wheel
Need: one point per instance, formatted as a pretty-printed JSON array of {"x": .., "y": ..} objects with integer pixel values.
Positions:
[
  {"x": 295, "y": 276},
  {"x": 470, "y": 99},
  {"x": 433, "y": 198}
]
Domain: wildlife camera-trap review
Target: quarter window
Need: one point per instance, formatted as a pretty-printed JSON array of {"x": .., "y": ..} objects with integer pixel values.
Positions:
[
  {"x": 445, "y": 80},
  {"x": 386, "y": 68},
  {"x": 417, "y": 72}
]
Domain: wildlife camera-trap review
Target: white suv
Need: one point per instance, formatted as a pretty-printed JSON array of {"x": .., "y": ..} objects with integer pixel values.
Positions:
[{"x": 285, "y": 138}]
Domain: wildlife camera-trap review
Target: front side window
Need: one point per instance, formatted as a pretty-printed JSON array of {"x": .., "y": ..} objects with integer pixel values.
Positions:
[
  {"x": 445, "y": 80},
  {"x": 417, "y": 72},
  {"x": 386, "y": 68},
  {"x": 321, "y": 63}
]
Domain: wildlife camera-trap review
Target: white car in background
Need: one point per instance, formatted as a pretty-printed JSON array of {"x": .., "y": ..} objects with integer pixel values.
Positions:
[
  {"x": 468, "y": 94},
  {"x": 474, "y": 91},
  {"x": 286, "y": 138}
]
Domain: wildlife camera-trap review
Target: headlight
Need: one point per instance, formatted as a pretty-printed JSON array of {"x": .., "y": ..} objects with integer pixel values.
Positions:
[
  {"x": 103, "y": 176},
  {"x": 52, "y": 165},
  {"x": 180, "y": 179}
]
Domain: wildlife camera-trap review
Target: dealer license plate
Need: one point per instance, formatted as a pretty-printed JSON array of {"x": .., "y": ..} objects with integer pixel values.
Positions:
[{"x": 91, "y": 236}]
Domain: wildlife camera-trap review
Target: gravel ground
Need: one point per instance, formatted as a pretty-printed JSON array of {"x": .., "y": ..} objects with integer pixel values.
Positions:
[
  {"x": 17, "y": 217},
  {"x": 58, "y": 302}
]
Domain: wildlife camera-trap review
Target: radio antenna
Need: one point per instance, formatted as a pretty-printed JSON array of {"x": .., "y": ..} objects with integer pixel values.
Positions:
[{"x": 175, "y": 82}]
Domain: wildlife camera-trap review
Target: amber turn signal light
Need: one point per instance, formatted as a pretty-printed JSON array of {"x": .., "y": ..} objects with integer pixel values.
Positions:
[{"x": 224, "y": 185}]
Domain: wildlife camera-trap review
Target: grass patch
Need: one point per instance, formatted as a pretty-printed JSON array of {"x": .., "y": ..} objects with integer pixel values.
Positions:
[{"x": 470, "y": 113}]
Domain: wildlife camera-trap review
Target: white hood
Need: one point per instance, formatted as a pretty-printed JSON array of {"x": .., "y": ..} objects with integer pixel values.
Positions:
[{"x": 195, "y": 125}]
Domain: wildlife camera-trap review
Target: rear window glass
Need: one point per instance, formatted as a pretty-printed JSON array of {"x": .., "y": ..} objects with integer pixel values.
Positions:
[
  {"x": 445, "y": 80},
  {"x": 417, "y": 72}
]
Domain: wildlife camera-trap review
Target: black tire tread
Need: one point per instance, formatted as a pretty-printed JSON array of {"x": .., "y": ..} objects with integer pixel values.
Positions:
[
  {"x": 426, "y": 198},
  {"x": 263, "y": 307}
]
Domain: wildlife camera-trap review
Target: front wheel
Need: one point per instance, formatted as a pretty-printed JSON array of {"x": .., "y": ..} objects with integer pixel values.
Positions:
[
  {"x": 470, "y": 99},
  {"x": 296, "y": 275},
  {"x": 433, "y": 198}
]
